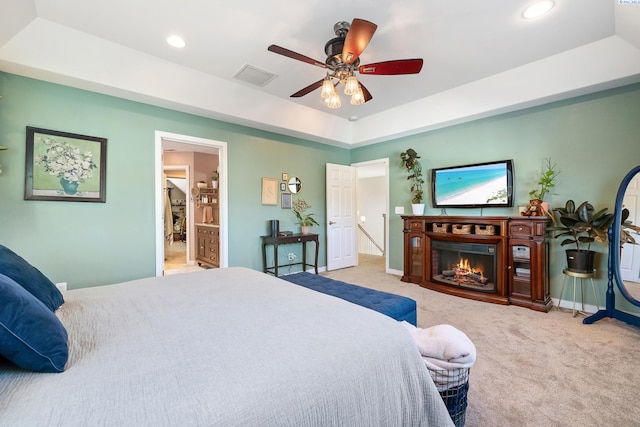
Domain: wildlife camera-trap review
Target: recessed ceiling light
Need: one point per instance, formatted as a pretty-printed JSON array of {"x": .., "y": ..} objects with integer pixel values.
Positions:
[
  {"x": 176, "y": 41},
  {"x": 538, "y": 9}
]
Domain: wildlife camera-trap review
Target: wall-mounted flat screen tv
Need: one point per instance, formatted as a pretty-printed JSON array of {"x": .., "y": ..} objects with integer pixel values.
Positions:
[{"x": 473, "y": 186}]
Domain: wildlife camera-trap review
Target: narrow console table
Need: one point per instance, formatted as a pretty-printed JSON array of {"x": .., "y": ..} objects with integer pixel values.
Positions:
[{"x": 283, "y": 240}]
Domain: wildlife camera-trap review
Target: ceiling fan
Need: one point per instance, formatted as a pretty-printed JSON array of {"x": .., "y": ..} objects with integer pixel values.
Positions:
[{"x": 343, "y": 60}]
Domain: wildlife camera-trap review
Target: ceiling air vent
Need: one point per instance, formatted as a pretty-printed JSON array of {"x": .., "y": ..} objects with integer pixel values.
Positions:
[{"x": 255, "y": 76}]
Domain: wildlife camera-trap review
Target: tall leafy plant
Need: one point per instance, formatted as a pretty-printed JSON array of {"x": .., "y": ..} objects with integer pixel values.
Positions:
[
  {"x": 546, "y": 181},
  {"x": 582, "y": 225},
  {"x": 409, "y": 161}
]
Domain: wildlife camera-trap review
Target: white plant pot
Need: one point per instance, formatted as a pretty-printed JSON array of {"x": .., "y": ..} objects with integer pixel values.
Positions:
[
  {"x": 417, "y": 208},
  {"x": 214, "y": 184}
]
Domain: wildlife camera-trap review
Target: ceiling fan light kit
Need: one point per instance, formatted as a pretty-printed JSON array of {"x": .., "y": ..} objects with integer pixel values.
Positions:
[
  {"x": 327, "y": 88},
  {"x": 343, "y": 60},
  {"x": 351, "y": 85}
]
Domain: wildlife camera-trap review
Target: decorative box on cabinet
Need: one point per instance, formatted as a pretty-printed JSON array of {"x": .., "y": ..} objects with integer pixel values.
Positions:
[
  {"x": 528, "y": 260},
  {"x": 208, "y": 242}
]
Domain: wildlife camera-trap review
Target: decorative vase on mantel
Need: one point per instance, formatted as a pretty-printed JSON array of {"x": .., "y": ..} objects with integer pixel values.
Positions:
[
  {"x": 305, "y": 229},
  {"x": 69, "y": 187}
]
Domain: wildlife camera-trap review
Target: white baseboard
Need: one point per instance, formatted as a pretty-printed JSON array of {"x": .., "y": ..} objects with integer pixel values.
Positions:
[{"x": 568, "y": 304}]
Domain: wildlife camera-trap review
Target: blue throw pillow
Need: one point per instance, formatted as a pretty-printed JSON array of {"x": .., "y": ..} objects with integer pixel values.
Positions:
[
  {"x": 31, "y": 336},
  {"x": 30, "y": 278}
]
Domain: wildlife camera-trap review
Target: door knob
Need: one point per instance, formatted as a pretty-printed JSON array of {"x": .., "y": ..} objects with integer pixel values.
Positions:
[{"x": 332, "y": 222}]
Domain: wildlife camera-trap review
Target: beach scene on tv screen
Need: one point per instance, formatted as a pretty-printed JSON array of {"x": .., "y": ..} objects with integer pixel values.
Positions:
[{"x": 475, "y": 185}]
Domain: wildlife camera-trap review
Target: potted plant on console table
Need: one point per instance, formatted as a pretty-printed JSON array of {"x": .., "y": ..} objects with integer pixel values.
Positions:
[
  {"x": 305, "y": 220},
  {"x": 409, "y": 161},
  {"x": 581, "y": 226}
]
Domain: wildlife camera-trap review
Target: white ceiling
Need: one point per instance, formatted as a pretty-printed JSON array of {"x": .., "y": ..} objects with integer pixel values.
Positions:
[{"x": 480, "y": 57}]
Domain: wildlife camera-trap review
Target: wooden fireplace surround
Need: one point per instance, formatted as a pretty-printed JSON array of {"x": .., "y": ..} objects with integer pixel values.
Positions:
[{"x": 520, "y": 246}]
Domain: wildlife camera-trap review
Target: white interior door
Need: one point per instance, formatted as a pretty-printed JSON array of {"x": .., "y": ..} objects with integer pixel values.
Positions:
[
  {"x": 630, "y": 259},
  {"x": 341, "y": 217}
]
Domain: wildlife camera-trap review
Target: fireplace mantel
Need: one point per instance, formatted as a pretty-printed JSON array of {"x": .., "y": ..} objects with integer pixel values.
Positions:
[{"x": 516, "y": 247}]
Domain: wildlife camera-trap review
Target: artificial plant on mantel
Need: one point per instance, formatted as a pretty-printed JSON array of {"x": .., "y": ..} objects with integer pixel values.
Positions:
[
  {"x": 546, "y": 183},
  {"x": 409, "y": 161}
]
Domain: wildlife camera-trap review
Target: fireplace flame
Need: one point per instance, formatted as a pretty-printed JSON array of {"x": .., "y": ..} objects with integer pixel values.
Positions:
[{"x": 464, "y": 268}]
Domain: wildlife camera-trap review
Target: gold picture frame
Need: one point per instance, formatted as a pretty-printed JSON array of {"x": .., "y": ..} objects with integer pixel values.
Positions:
[{"x": 269, "y": 191}]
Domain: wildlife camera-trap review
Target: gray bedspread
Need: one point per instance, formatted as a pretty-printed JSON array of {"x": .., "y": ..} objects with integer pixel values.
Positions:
[{"x": 224, "y": 347}]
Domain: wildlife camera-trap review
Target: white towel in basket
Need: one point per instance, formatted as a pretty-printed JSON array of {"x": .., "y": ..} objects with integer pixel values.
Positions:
[{"x": 446, "y": 350}]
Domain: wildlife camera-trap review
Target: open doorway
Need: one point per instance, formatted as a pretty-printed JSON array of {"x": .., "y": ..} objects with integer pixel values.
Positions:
[
  {"x": 372, "y": 213},
  {"x": 189, "y": 147},
  {"x": 177, "y": 256}
]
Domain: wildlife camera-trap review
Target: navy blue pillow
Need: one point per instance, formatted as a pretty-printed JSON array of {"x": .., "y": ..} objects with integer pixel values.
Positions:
[
  {"x": 30, "y": 278},
  {"x": 31, "y": 336}
]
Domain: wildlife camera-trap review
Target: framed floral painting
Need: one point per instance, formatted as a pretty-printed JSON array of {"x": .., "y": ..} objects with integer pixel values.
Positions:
[{"x": 65, "y": 166}]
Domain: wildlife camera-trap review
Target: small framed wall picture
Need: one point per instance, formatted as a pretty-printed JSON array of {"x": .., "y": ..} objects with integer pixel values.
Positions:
[
  {"x": 269, "y": 191},
  {"x": 285, "y": 176},
  {"x": 286, "y": 200},
  {"x": 283, "y": 186}
]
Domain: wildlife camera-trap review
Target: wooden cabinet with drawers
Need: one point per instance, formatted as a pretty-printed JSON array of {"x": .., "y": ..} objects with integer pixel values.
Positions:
[
  {"x": 208, "y": 245},
  {"x": 520, "y": 248},
  {"x": 528, "y": 261}
]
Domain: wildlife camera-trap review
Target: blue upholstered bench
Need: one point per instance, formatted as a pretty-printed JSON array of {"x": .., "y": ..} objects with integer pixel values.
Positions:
[{"x": 394, "y": 306}]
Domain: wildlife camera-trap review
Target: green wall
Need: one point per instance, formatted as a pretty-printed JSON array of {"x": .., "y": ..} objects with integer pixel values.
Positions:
[
  {"x": 88, "y": 244},
  {"x": 594, "y": 139}
]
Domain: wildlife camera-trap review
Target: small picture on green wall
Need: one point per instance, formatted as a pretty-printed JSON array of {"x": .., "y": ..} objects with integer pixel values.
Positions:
[
  {"x": 286, "y": 201},
  {"x": 65, "y": 166}
]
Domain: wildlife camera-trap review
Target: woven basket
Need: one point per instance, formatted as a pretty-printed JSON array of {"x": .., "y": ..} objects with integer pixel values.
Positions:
[
  {"x": 440, "y": 228},
  {"x": 486, "y": 230},
  {"x": 461, "y": 228}
]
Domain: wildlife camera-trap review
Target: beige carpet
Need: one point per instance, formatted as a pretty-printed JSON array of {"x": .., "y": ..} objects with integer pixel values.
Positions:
[
  {"x": 533, "y": 369},
  {"x": 175, "y": 259}
]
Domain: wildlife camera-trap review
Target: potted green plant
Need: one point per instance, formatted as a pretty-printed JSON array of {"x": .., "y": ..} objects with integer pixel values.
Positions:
[
  {"x": 581, "y": 226},
  {"x": 546, "y": 183},
  {"x": 305, "y": 220},
  {"x": 409, "y": 161},
  {"x": 214, "y": 179},
  {"x": 627, "y": 228}
]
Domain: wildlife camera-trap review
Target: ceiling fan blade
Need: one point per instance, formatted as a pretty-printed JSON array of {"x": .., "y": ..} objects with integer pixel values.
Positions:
[
  {"x": 294, "y": 55},
  {"x": 357, "y": 39},
  {"x": 400, "y": 66},
  {"x": 308, "y": 89},
  {"x": 367, "y": 94}
]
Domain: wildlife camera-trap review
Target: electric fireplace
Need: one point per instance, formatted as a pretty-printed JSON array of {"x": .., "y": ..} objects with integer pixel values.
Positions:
[
  {"x": 465, "y": 265},
  {"x": 479, "y": 257}
]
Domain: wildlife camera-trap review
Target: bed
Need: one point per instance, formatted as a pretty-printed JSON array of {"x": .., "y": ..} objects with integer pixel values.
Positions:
[{"x": 223, "y": 347}]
